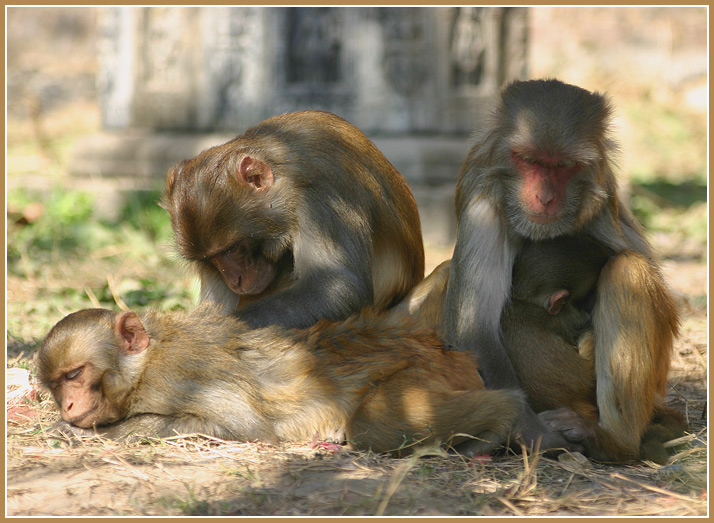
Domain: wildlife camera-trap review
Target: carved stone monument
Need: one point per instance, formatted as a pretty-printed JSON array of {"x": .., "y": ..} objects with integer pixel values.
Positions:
[{"x": 176, "y": 80}]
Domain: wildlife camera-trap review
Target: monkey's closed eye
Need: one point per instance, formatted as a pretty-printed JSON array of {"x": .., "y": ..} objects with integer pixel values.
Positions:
[
  {"x": 240, "y": 248},
  {"x": 73, "y": 374},
  {"x": 528, "y": 159}
]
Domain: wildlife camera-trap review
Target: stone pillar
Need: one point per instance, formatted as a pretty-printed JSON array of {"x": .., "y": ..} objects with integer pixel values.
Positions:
[{"x": 417, "y": 80}]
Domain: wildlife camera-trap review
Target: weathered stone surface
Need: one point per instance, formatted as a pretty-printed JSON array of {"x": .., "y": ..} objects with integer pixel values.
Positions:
[
  {"x": 176, "y": 80},
  {"x": 389, "y": 70}
]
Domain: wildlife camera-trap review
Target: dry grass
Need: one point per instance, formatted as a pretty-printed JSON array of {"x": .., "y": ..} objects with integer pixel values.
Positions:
[{"x": 196, "y": 475}]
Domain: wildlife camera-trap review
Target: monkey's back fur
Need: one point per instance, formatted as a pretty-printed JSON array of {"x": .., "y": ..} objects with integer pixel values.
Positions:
[{"x": 383, "y": 383}]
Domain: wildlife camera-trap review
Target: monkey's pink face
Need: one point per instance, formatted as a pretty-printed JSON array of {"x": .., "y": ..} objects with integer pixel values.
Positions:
[
  {"x": 544, "y": 190},
  {"x": 243, "y": 269},
  {"x": 79, "y": 395}
]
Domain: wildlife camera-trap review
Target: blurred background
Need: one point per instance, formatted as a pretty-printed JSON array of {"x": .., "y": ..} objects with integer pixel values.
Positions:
[{"x": 100, "y": 101}]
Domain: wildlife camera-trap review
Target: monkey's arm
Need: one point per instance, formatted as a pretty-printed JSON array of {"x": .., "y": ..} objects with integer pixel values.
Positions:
[
  {"x": 332, "y": 281},
  {"x": 634, "y": 321},
  {"x": 326, "y": 295},
  {"x": 137, "y": 427},
  {"x": 214, "y": 290},
  {"x": 478, "y": 289}
]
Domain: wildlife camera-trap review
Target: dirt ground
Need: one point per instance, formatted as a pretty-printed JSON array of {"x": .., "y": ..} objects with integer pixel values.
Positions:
[{"x": 201, "y": 476}]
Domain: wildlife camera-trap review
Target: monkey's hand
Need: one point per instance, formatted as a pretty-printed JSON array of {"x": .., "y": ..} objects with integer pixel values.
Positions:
[
  {"x": 568, "y": 422},
  {"x": 69, "y": 432},
  {"x": 129, "y": 430},
  {"x": 481, "y": 445}
]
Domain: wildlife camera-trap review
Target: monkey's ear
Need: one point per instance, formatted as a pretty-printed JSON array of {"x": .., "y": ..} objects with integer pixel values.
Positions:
[
  {"x": 172, "y": 174},
  {"x": 556, "y": 301},
  {"x": 134, "y": 338},
  {"x": 255, "y": 173}
]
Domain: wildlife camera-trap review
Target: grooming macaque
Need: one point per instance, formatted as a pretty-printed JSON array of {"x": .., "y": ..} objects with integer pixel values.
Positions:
[
  {"x": 299, "y": 219},
  {"x": 389, "y": 384},
  {"x": 547, "y": 333},
  {"x": 542, "y": 169}
]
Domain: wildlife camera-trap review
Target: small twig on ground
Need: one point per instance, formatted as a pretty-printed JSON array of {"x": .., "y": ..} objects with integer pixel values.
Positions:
[
  {"x": 659, "y": 490},
  {"x": 92, "y": 297},
  {"x": 117, "y": 299}
]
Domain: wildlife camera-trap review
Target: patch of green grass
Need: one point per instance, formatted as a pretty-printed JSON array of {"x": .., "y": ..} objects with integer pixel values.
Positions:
[
  {"x": 683, "y": 194},
  {"x": 672, "y": 207},
  {"x": 61, "y": 258},
  {"x": 194, "y": 507},
  {"x": 669, "y": 144},
  {"x": 143, "y": 212},
  {"x": 63, "y": 223}
]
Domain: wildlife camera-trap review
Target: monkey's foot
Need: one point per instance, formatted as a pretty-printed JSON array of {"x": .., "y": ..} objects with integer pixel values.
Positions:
[
  {"x": 568, "y": 423},
  {"x": 532, "y": 428},
  {"x": 332, "y": 441},
  {"x": 484, "y": 443}
]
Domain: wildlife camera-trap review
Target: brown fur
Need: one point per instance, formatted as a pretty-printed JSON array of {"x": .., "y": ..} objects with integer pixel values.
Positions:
[
  {"x": 554, "y": 354},
  {"x": 543, "y": 168},
  {"x": 389, "y": 383},
  {"x": 299, "y": 219}
]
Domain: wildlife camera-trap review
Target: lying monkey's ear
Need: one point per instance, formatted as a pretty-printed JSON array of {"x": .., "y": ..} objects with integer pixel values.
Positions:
[
  {"x": 134, "y": 338},
  {"x": 255, "y": 173}
]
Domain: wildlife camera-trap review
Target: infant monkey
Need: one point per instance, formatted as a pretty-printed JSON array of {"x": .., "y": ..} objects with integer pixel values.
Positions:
[
  {"x": 548, "y": 334},
  {"x": 548, "y": 321},
  {"x": 388, "y": 383}
]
